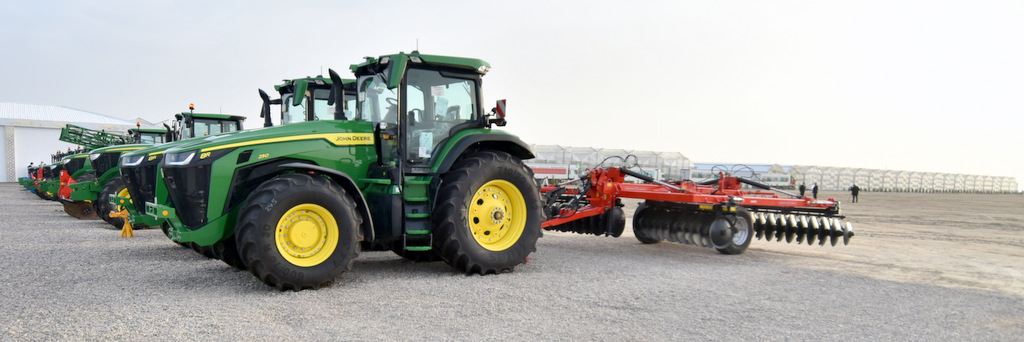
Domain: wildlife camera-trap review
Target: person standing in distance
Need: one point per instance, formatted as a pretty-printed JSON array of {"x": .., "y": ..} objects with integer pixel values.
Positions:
[{"x": 814, "y": 190}]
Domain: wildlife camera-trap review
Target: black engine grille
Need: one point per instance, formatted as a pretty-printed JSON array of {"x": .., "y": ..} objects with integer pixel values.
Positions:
[
  {"x": 141, "y": 182},
  {"x": 105, "y": 162},
  {"x": 189, "y": 189},
  {"x": 74, "y": 165}
]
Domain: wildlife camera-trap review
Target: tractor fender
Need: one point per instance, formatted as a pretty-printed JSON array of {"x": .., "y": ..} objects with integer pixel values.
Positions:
[
  {"x": 485, "y": 142},
  {"x": 349, "y": 185}
]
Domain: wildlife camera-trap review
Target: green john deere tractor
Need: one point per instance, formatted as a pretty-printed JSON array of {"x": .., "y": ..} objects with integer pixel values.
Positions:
[
  {"x": 78, "y": 166},
  {"x": 105, "y": 161},
  {"x": 140, "y": 170},
  {"x": 416, "y": 170},
  {"x": 48, "y": 181}
]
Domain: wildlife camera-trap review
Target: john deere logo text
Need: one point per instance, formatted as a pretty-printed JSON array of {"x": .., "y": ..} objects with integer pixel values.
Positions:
[{"x": 353, "y": 139}]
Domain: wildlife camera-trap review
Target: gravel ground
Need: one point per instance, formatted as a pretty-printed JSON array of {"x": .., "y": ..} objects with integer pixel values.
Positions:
[{"x": 66, "y": 279}]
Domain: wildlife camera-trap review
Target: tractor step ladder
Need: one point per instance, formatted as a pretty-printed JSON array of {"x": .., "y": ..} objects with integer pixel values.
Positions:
[{"x": 416, "y": 233}]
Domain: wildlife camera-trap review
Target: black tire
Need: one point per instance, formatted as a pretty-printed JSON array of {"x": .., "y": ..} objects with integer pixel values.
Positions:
[
  {"x": 639, "y": 215},
  {"x": 205, "y": 251},
  {"x": 165, "y": 227},
  {"x": 417, "y": 256},
  {"x": 104, "y": 207},
  {"x": 227, "y": 251},
  {"x": 256, "y": 233},
  {"x": 507, "y": 179},
  {"x": 743, "y": 234}
]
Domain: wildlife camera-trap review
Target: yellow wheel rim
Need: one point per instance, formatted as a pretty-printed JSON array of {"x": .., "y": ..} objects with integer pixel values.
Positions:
[
  {"x": 306, "y": 235},
  {"x": 123, "y": 193},
  {"x": 497, "y": 215}
]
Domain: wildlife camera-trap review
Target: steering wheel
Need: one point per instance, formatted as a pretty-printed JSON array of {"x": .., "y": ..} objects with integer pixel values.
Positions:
[{"x": 391, "y": 101}]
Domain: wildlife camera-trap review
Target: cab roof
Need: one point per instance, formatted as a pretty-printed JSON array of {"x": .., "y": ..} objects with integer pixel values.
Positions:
[{"x": 401, "y": 61}]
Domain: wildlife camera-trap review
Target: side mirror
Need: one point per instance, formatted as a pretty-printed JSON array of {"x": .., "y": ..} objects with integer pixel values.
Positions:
[
  {"x": 499, "y": 112},
  {"x": 299, "y": 93}
]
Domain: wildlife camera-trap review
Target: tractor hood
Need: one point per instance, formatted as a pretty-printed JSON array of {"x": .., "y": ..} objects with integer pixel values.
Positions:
[
  {"x": 333, "y": 131},
  {"x": 120, "y": 148},
  {"x": 160, "y": 148}
]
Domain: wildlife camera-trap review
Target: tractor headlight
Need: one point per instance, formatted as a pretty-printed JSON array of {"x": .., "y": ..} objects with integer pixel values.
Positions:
[
  {"x": 132, "y": 160},
  {"x": 180, "y": 158},
  {"x": 65, "y": 160},
  {"x": 93, "y": 156}
]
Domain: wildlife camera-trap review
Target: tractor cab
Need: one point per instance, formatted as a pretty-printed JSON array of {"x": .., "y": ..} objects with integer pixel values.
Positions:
[
  {"x": 308, "y": 99},
  {"x": 191, "y": 125},
  {"x": 439, "y": 98},
  {"x": 147, "y": 135}
]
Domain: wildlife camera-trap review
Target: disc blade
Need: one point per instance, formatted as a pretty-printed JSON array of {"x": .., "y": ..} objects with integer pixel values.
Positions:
[
  {"x": 790, "y": 228},
  {"x": 823, "y": 232},
  {"x": 801, "y": 229},
  {"x": 834, "y": 237},
  {"x": 848, "y": 233}
]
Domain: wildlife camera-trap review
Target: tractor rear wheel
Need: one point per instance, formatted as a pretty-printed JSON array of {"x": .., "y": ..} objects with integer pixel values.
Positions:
[
  {"x": 488, "y": 213},
  {"x": 743, "y": 234},
  {"x": 298, "y": 231}
]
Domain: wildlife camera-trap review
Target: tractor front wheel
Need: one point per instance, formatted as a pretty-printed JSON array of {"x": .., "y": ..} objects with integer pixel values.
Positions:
[
  {"x": 488, "y": 213},
  {"x": 298, "y": 231},
  {"x": 115, "y": 187}
]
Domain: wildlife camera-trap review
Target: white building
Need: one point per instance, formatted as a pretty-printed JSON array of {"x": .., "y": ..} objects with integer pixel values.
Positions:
[{"x": 31, "y": 133}]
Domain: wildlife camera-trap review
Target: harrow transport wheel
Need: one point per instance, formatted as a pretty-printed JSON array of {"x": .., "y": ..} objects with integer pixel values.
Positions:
[
  {"x": 640, "y": 233},
  {"x": 487, "y": 214},
  {"x": 103, "y": 206},
  {"x": 743, "y": 235},
  {"x": 298, "y": 231}
]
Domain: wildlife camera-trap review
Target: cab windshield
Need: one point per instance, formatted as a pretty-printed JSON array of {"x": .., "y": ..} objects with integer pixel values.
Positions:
[
  {"x": 321, "y": 111},
  {"x": 290, "y": 113},
  {"x": 205, "y": 127},
  {"x": 376, "y": 103},
  {"x": 151, "y": 138}
]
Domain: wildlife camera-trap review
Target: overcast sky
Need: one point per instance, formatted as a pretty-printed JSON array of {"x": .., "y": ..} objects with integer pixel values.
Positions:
[{"x": 908, "y": 85}]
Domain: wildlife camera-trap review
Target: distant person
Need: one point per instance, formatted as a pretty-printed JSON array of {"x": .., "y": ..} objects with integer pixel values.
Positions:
[
  {"x": 803, "y": 188},
  {"x": 814, "y": 190},
  {"x": 854, "y": 190}
]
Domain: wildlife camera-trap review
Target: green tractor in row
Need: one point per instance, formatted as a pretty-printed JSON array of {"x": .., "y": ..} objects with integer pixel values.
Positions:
[
  {"x": 140, "y": 169},
  {"x": 77, "y": 166},
  {"x": 107, "y": 182},
  {"x": 416, "y": 169}
]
